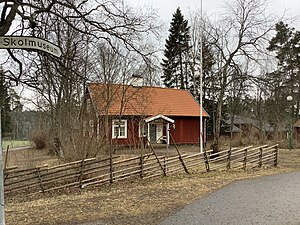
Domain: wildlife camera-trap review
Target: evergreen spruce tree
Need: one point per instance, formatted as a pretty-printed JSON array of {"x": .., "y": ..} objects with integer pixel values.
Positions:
[
  {"x": 5, "y": 105},
  {"x": 175, "y": 64}
]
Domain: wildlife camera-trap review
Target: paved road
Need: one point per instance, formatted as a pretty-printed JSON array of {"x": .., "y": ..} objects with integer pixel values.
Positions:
[{"x": 273, "y": 200}]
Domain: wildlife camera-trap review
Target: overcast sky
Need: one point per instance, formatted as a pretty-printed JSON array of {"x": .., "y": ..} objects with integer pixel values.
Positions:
[{"x": 166, "y": 8}]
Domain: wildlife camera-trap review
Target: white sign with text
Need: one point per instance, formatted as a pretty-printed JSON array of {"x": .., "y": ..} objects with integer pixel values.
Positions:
[{"x": 25, "y": 42}]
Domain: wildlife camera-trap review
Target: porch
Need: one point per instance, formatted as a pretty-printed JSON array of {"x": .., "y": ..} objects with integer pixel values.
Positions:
[{"x": 157, "y": 129}]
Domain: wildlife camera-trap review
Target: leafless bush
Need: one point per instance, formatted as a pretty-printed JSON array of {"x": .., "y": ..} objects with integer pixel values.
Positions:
[
  {"x": 250, "y": 137},
  {"x": 39, "y": 138},
  {"x": 80, "y": 147}
]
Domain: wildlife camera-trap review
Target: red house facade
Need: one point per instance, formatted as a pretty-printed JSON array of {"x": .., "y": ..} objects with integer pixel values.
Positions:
[{"x": 126, "y": 114}]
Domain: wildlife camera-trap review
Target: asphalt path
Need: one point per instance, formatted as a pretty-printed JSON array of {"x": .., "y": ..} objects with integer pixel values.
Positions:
[{"x": 271, "y": 200}]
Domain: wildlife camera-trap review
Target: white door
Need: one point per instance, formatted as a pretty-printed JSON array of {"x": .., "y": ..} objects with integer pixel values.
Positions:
[{"x": 159, "y": 132}]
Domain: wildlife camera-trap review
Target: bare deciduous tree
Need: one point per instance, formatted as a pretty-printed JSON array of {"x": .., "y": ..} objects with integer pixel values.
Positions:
[
  {"x": 93, "y": 35},
  {"x": 240, "y": 38},
  {"x": 108, "y": 21}
]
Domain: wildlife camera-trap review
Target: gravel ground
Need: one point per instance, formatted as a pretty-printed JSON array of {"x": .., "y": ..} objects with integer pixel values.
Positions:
[{"x": 272, "y": 200}]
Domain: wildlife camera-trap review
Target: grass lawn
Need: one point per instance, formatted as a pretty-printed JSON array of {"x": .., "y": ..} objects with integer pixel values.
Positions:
[{"x": 15, "y": 143}]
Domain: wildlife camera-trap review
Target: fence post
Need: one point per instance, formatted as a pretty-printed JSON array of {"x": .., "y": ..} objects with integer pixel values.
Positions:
[
  {"x": 111, "y": 169},
  {"x": 228, "y": 159},
  {"x": 206, "y": 161},
  {"x": 179, "y": 155},
  {"x": 245, "y": 158},
  {"x": 260, "y": 157},
  {"x": 6, "y": 158},
  {"x": 157, "y": 159},
  {"x": 276, "y": 156},
  {"x": 165, "y": 165},
  {"x": 40, "y": 178},
  {"x": 5, "y": 175},
  {"x": 142, "y": 166},
  {"x": 81, "y": 173}
]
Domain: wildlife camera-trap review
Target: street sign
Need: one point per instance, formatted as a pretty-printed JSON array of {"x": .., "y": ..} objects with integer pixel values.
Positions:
[{"x": 26, "y": 42}]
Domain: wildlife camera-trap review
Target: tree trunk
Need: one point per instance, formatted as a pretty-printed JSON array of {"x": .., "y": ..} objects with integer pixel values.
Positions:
[{"x": 217, "y": 129}]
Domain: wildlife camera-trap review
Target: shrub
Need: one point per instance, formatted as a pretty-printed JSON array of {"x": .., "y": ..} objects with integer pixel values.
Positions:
[{"x": 39, "y": 138}]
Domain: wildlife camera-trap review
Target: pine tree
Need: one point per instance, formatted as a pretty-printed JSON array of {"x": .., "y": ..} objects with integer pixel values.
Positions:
[
  {"x": 286, "y": 45},
  {"x": 5, "y": 105},
  {"x": 175, "y": 64},
  {"x": 286, "y": 79}
]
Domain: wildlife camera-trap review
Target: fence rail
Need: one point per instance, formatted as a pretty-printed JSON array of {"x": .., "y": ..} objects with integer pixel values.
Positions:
[{"x": 95, "y": 171}]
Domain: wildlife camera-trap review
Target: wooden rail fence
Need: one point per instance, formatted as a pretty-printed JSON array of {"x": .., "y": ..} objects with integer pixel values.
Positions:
[{"x": 95, "y": 171}]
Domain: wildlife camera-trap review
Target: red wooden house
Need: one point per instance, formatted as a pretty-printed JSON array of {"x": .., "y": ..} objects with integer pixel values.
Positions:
[{"x": 124, "y": 114}]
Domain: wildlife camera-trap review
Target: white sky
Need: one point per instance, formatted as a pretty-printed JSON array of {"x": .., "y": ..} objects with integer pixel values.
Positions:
[{"x": 166, "y": 8}]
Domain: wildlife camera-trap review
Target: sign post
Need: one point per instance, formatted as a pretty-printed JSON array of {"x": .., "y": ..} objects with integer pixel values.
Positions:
[
  {"x": 2, "y": 217},
  {"x": 26, "y": 43}
]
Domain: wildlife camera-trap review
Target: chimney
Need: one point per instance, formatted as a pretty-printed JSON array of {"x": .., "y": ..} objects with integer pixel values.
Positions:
[{"x": 137, "y": 81}]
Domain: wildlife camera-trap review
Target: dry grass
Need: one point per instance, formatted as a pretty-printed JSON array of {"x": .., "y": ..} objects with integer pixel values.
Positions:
[
  {"x": 136, "y": 202},
  {"x": 289, "y": 158},
  {"x": 29, "y": 158},
  {"x": 131, "y": 202}
]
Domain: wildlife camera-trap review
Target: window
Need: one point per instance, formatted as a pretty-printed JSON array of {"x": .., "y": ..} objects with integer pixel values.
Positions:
[
  {"x": 143, "y": 129},
  {"x": 119, "y": 129}
]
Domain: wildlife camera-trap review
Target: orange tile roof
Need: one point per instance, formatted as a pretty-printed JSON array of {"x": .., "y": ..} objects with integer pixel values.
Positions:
[{"x": 127, "y": 100}]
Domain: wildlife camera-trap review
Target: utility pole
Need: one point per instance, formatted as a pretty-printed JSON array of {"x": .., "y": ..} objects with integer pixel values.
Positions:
[
  {"x": 2, "y": 216},
  {"x": 200, "y": 81}
]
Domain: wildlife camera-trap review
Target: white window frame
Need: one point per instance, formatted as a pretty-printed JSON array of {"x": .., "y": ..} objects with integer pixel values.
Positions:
[
  {"x": 117, "y": 126},
  {"x": 142, "y": 129}
]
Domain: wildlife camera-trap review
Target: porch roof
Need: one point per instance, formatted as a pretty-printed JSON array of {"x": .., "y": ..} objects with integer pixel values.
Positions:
[{"x": 159, "y": 116}]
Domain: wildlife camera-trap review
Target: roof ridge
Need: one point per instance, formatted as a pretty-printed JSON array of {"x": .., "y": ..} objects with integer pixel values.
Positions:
[{"x": 159, "y": 87}]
